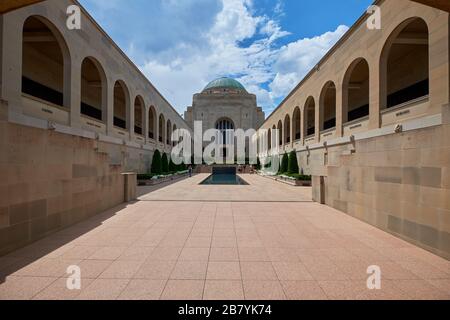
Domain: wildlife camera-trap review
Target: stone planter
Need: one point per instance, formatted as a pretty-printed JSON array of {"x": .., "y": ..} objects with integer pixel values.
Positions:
[
  {"x": 155, "y": 182},
  {"x": 295, "y": 183}
]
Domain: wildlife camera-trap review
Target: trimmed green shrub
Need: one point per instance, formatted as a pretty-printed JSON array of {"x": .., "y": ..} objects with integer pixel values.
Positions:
[
  {"x": 258, "y": 164},
  {"x": 284, "y": 164},
  {"x": 145, "y": 176},
  {"x": 156, "y": 163},
  {"x": 300, "y": 177},
  {"x": 293, "y": 163},
  {"x": 164, "y": 163},
  {"x": 172, "y": 166}
]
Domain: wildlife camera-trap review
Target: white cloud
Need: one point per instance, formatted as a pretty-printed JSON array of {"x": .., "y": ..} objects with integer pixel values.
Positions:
[
  {"x": 296, "y": 59},
  {"x": 220, "y": 56},
  {"x": 194, "y": 42}
]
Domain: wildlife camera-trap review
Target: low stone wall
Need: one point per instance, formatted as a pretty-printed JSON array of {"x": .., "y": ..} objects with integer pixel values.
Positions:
[
  {"x": 399, "y": 183},
  {"x": 49, "y": 181}
]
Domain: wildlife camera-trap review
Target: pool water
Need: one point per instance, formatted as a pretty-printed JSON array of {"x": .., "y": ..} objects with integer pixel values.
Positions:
[{"x": 224, "y": 179}]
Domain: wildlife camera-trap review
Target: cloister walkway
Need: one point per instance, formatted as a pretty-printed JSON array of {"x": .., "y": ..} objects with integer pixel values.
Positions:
[{"x": 211, "y": 249}]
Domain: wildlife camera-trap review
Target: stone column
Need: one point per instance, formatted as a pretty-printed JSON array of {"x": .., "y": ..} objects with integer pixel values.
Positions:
[
  {"x": 340, "y": 117},
  {"x": 292, "y": 130},
  {"x": 110, "y": 108},
  {"x": 145, "y": 125},
  {"x": 318, "y": 119},
  {"x": 130, "y": 115},
  {"x": 439, "y": 50},
  {"x": 72, "y": 91},
  {"x": 302, "y": 125},
  {"x": 377, "y": 93},
  {"x": 156, "y": 133},
  {"x": 11, "y": 62}
]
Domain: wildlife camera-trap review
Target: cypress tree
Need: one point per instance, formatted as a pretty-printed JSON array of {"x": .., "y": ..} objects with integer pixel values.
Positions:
[
  {"x": 284, "y": 164},
  {"x": 172, "y": 166},
  {"x": 258, "y": 164},
  {"x": 156, "y": 163},
  {"x": 164, "y": 163},
  {"x": 293, "y": 163}
]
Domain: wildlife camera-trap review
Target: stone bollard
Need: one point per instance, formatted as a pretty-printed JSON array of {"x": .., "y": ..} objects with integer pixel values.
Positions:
[{"x": 130, "y": 183}]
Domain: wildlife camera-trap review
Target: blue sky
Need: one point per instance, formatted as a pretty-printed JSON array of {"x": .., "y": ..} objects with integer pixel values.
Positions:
[{"x": 269, "y": 45}]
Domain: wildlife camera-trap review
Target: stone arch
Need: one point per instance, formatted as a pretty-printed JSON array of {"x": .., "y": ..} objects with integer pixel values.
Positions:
[
  {"x": 139, "y": 115},
  {"x": 169, "y": 132},
  {"x": 355, "y": 91},
  {"x": 404, "y": 64},
  {"x": 152, "y": 124},
  {"x": 93, "y": 89},
  {"x": 327, "y": 105},
  {"x": 121, "y": 105},
  {"x": 280, "y": 133},
  {"x": 46, "y": 62},
  {"x": 162, "y": 128},
  {"x": 296, "y": 124},
  {"x": 287, "y": 129},
  {"x": 310, "y": 117}
]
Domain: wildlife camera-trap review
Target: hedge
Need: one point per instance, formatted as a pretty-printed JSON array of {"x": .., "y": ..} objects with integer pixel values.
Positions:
[
  {"x": 284, "y": 164},
  {"x": 172, "y": 166},
  {"x": 300, "y": 177},
  {"x": 164, "y": 163},
  {"x": 293, "y": 163},
  {"x": 156, "y": 167}
]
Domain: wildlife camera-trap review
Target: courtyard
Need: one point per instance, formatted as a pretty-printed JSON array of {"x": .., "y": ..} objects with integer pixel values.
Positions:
[{"x": 185, "y": 241}]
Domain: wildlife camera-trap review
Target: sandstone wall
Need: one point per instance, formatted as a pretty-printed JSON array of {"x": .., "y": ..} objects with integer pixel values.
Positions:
[
  {"x": 49, "y": 181},
  {"x": 399, "y": 183}
]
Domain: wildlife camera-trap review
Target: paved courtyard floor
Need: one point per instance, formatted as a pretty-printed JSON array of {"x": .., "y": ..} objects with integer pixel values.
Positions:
[
  {"x": 259, "y": 189},
  {"x": 154, "y": 249}
]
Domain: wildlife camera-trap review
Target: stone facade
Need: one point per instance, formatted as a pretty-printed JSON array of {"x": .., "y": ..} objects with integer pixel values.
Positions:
[
  {"x": 49, "y": 181},
  {"x": 399, "y": 183},
  {"x": 80, "y": 68},
  {"x": 75, "y": 115},
  {"x": 370, "y": 123},
  {"x": 238, "y": 106}
]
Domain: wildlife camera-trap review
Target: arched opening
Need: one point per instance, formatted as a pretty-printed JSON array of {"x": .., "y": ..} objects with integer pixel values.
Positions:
[
  {"x": 296, "y": 122},
  {"x": 121, "y": 105},
  {"x": 405, "y": 64},
  {"x": 152, "y": 122},
  {"x": 93, "y": 89},
  {"x": 356, "y": 91},
  {"x": 328, "y": 106},
  {"x": 280, "y": 133},
  {"x": 162, "y": 126},
  {"x": 45, "y": 62},
  {"x": 275, "y": 134},
  {"x": 139, "y": 115},
  {"x": 287, "y": 129},
  {"x": 169, "y": 132},
  {"x": 224, "y": 125},
  {"x": 310, "y": 117},
  {"x": 174, "y": 143},
  {"x": 269, "y": 139}
]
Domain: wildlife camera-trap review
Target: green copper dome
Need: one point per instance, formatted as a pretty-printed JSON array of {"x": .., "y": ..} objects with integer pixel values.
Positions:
[{"x": 224, "y": 83}]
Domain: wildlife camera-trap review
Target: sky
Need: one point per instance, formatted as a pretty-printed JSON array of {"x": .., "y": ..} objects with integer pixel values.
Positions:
[{"x": 267, "y": 45}]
